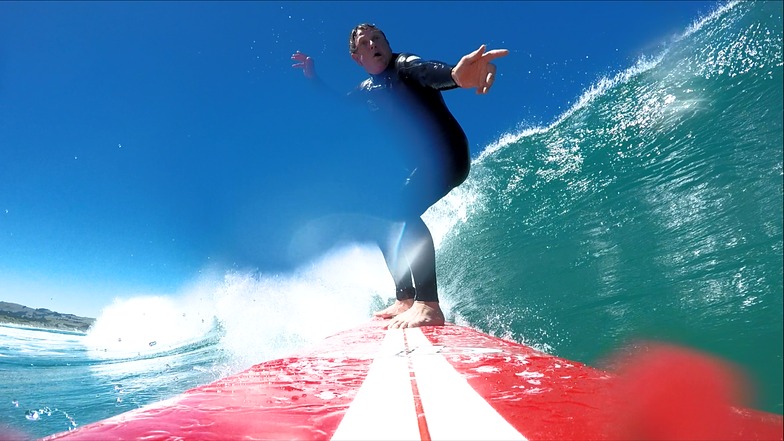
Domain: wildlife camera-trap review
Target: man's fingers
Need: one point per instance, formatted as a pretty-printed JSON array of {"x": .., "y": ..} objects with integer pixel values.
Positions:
[
  {"x": 299, "y": 56},
  {"x": 475, "y": 69},
  {"x": 483, "y": 75},
  {"x": 480, "y": 54},
  {"x": 490, "y": 80},
  {"x": 495, "y": 53},
  {"x": 486, "y": 79},
  {"x": 475, "y": 55},
  {"x": 486, "y": 84}
]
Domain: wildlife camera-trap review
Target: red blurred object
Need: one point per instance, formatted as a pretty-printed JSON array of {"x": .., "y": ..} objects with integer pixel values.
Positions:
[{"x": 665, "y": 392}]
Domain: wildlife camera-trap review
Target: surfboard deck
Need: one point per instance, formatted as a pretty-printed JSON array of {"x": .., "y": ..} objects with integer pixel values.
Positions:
[{"x": 441, "y": 382}]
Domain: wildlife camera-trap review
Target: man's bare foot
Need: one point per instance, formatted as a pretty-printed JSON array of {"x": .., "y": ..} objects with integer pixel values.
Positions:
[
  {"x": 396, "y": 308},
  {"x": 419, "y": 314}
]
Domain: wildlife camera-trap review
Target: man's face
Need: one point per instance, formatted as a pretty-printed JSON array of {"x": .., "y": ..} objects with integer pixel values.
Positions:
[{"x": 373, "y": 52}]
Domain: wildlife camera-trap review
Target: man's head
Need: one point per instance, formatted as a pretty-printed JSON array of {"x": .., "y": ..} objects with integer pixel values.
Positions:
[{"x": 369, "y": 48}]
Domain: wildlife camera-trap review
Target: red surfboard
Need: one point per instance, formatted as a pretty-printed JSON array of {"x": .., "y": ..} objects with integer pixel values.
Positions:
[{"x": 438, "y": 382}]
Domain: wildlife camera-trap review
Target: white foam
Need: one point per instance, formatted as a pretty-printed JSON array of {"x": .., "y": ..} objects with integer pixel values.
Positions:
[
  {"x": 147, "y": 324},
  {"x": 604, "y": 84},
  {"x": 261, "y": 316},
  {"x": 265, "y": 316}
]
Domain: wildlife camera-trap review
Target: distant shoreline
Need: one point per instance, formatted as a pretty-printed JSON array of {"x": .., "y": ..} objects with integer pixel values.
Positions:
[
  {"x": 19, "y": 315},
  {"x": 30, "y": 327}
]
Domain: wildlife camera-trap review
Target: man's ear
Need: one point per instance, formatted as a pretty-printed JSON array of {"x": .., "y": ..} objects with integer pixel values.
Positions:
[{"x": 357, "y": 58}]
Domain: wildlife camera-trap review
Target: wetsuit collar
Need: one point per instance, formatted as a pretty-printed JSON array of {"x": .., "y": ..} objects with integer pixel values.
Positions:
[{"x": 385, "y": 73}]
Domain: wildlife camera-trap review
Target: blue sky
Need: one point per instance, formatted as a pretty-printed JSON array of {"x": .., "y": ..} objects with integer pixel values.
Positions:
[{"x": 141, "y": 142}]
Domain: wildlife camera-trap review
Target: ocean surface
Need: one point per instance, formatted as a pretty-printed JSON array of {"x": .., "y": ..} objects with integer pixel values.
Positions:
[{"x": 650, "y": 210}]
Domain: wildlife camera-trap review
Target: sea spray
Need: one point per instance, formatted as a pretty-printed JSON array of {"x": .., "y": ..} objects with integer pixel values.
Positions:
[
  {"x": 147, "y": 324},
  {"x": 269, "y": 315},
  {"x": 256, "y": 316}
]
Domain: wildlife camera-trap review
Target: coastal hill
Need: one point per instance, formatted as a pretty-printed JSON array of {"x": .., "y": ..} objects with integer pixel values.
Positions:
[{"x": 42, "y": 318}]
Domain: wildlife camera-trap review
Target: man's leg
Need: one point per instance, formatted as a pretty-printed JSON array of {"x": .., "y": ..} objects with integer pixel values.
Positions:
[
  {"x": 401, "y": 272},
  {"x": 418, "y": 249}
]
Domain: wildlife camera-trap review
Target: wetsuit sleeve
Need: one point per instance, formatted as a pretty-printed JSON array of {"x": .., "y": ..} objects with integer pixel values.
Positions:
[
  {"x": 433, "y": 74},
  {"x": 320, "y": 89}
]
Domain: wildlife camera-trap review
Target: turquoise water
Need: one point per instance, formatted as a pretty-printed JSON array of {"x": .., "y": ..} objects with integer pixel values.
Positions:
[{"x": 652, "y": 209}]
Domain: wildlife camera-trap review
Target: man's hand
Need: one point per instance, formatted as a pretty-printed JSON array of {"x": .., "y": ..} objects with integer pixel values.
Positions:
[
  {"x": 305, "y": 63},
  {"x": 476, "y": 70}
]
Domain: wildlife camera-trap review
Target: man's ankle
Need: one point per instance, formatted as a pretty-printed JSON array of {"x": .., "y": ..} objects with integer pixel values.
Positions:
[{"x": 406, "y": 293}]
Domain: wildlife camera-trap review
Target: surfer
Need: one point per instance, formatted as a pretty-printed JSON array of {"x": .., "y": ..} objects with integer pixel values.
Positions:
[{"x": 406, "y": 91}]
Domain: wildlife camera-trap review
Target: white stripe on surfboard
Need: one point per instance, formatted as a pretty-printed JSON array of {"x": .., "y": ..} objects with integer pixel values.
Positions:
[
  {"x": 384, "y": 407},
  {"x": 454, "y": 410}
]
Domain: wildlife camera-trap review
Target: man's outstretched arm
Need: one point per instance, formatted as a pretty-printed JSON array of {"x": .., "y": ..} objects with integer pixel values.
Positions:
[{"x": 308, "y": 66}]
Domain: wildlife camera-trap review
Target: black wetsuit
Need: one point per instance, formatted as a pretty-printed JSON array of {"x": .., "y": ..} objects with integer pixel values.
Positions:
[{"x": 407, "y": 95}]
